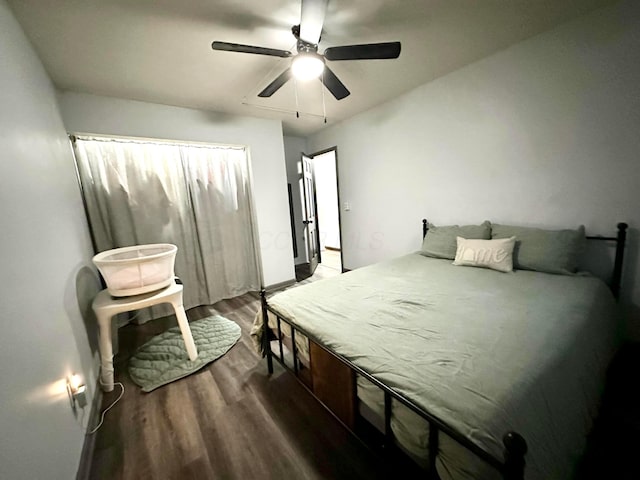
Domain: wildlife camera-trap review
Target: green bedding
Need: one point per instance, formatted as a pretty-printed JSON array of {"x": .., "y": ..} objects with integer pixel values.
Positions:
[{"x": 487, "y": 352}]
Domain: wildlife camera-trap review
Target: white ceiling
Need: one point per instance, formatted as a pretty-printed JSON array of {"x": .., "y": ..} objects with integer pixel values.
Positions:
[{"x": 160, "y": 50}]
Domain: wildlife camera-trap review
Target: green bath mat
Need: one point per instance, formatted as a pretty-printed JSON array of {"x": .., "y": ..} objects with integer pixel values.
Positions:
[{"x": 164, "y": 359}]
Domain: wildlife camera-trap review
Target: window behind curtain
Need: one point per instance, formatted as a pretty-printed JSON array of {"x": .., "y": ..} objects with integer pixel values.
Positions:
[{"x": 197, "y": 197}]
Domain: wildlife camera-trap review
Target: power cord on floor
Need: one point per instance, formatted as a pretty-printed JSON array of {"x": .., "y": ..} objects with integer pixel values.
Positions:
[{"x": 104, "y": 412}]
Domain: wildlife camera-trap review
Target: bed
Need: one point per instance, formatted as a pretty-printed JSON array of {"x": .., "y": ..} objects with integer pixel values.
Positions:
[{"x": 464, "y": 369}]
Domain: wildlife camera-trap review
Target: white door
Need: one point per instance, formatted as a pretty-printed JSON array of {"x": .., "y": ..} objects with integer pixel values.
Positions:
[{"x": 311, "y": 230}]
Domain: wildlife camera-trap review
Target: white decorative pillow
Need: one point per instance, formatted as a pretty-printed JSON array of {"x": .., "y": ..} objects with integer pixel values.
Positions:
[{"x": 495, "y": 254}]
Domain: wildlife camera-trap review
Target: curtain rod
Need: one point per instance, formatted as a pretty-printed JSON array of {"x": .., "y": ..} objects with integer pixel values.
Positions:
[{"x": 157, "y": 141}]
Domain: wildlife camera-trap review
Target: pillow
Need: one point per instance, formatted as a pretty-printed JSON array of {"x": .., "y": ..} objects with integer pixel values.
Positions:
[
  {"x": 494, "y": 254},
  {"x": 440, "y": 242},
  {"x": 551, "y": 251}
]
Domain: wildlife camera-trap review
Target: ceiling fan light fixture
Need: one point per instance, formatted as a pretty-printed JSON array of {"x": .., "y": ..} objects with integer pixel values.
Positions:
[{"x": 307, "y": 66}]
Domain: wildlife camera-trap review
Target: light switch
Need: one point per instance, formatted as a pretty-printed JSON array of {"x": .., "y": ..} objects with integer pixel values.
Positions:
[{"x": 347, "y": 206}]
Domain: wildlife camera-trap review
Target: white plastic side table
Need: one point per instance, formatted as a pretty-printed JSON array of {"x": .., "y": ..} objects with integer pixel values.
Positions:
[{"x": 105, "y": 307}]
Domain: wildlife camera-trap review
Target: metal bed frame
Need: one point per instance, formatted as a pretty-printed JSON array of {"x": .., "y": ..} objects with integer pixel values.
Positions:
[{"x": 511, "y": 466}]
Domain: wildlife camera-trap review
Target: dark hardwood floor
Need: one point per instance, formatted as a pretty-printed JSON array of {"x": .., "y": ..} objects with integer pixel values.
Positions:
[
  {"x": 230, "y": 420},
  {"x": 614, "y": 443}
]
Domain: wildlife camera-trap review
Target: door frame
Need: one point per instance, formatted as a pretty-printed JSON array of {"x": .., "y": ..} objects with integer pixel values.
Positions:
[{"x": 318, "y": 220}]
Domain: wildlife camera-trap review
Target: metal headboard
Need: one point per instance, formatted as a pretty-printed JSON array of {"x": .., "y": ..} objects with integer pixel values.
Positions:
[{"x": 620, "y": 239}]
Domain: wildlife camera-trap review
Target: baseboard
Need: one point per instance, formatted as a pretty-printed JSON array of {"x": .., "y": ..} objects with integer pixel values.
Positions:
[
  {"x": 277, "y": 286},
  {"x": 86, "y": 457}
]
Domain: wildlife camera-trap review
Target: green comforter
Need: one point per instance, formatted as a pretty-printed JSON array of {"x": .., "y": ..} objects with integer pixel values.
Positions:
[{"x": 486, "y": 352}]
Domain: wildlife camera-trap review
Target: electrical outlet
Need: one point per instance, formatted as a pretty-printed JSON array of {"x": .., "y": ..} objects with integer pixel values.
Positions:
[{"x": 77, "y": 392}]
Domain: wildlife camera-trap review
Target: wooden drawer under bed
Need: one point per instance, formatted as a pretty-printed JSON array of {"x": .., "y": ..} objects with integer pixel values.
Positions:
[{"x": 333, "y": 383}]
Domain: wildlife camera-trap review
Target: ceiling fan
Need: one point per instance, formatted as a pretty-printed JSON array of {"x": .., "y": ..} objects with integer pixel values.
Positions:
[{"x": 307, "y": 63}]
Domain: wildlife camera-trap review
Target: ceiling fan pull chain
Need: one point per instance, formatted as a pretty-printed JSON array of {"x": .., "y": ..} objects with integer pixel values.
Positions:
[
  {"x": 295, "y": 91},
  {"x": 324, "y": 106}
]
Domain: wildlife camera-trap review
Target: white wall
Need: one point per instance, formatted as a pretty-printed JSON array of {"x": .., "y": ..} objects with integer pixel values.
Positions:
[
  {"x": 45, "y": 252},
  {"x": 324, "y": 167},
  {"x": 111, "y": 116},
  {"x": 545, "y": 133},
  {"x": 293, "y": 148}
]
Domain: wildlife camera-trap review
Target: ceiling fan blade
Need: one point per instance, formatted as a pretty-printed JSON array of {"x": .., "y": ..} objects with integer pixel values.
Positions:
[
  {"x": 370, "y": 51},
  {"x": 311, "y": 20},
  {"x": 333, "y": 84},
  {"x": 274, "y": 86},
  {"x": 236, "y": 47}
]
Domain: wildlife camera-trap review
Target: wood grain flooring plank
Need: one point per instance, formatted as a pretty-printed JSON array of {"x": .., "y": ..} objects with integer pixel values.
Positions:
[{"x": 230, "y": 420}]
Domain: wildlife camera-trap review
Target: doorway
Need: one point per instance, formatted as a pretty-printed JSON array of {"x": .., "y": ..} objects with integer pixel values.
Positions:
[
  {"x": 321, "y": 215},
  {"x": 328, "y": 209}
]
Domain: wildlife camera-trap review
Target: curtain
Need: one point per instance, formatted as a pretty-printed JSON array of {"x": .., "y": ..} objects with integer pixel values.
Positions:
[{"x": 196, "y": 197}]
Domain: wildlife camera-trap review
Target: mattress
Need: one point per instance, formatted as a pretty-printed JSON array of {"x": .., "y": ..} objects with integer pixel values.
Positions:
[{"x": 484, "y": 351}]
